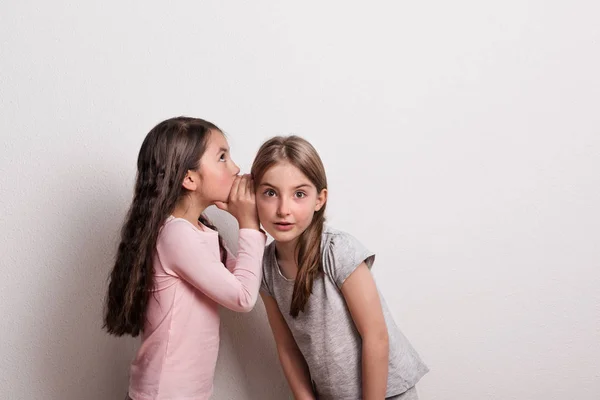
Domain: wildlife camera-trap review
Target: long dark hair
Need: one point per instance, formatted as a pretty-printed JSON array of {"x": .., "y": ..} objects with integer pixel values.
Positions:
[
  {"x": 169, "y": 150},
  {"x": 301, "y": 154}
]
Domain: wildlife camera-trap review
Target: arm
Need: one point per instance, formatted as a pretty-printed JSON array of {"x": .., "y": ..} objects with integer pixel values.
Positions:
[
  {"x": 187, "y": 255},
  {"x": 231, "y": 259},
  {"x": 293, "y": 363},
  {"x": 363, "y": 301}
]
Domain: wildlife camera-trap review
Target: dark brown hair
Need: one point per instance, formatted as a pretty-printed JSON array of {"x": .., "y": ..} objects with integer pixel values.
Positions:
[
  {"x": 301, "y": 154},
  {"x": 169, "y": 150}
]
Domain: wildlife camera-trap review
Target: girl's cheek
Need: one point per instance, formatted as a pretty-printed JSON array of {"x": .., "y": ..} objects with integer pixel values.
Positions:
[{"x": 260, "y": 204}]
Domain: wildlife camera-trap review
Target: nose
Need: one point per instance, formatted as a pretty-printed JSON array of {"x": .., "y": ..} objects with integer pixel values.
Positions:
[
  {"x": 283, "y": 208},
  {"x": 236, "y": 169}
]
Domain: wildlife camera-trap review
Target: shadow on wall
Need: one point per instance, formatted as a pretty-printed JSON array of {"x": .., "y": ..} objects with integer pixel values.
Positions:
[
  {"x": 248, "y": 366},
  {"x": 73, "y": 357},
  {"x": 76, "y": 358}
]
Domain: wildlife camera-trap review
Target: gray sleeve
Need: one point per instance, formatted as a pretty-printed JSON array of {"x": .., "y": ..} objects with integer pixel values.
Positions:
[
  {"x": 343, "y": 255},
  {"x": 264, "y": 285}
]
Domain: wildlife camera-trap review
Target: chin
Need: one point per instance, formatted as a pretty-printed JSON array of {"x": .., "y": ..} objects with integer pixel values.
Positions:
[{"x": 283, "y": 237}]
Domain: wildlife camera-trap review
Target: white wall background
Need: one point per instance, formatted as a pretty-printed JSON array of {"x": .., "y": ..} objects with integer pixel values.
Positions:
[{"x": 461, "y": 140}]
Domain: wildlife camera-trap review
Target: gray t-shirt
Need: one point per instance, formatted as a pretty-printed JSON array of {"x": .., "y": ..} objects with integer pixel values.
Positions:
[{"x": 325, "y": 332}]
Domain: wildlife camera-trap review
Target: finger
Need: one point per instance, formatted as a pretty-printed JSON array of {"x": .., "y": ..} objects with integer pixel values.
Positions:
[
  {"x": 234, "y": 187},
  {"x": 221, "y": 205},
  {"x": 250, "y": 188},
  {"x": 242, "y": 187}
]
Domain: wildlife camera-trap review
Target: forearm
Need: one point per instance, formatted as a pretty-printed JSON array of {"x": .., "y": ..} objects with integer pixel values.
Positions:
[
  {"x": 297, "y": 373},
  {"x": 375, "y": 356}
]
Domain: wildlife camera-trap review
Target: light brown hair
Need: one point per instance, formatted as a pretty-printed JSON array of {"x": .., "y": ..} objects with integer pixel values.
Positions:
[{"x": 301, "y": 154}]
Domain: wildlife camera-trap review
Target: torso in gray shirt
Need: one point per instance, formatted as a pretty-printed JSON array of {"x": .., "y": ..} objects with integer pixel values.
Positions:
[{"x": 325, "y": 332}]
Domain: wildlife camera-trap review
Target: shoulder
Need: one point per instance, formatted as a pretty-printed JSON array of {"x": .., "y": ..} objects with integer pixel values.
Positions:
[
  {"x": 342, "y": 254},
  {"x": 177, "y": 230},
  {"x": 269, "y": 260},
  {"x": 339, "y": 242},
  {"x": 269, "y": 263}
]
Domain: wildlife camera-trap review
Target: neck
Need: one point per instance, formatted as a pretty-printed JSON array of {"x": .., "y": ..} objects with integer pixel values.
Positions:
[
  {"x": 286, "y": 251},
  {"x": 189, "y": 209}
]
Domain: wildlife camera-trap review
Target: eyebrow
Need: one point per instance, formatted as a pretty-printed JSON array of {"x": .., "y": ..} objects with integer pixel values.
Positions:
[
  {"x": 222, "y": 149},
  {"x": 296, "y": 188}
]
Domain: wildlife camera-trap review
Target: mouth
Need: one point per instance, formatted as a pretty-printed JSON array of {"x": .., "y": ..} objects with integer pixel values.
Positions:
[{"x": 283, "y": 226}]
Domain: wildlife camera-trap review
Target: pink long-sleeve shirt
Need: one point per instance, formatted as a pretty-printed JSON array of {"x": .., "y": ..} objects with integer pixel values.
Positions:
[{"x": 180, "y": 340}]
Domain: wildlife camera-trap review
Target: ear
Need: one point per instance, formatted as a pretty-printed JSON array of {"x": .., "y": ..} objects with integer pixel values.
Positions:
[
  {"x": 191, "y": 181},
  {"x": 321, "y": 199}
]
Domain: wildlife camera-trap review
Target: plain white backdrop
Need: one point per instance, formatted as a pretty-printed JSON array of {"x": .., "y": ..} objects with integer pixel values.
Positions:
[{"x": 461, "y": 141}]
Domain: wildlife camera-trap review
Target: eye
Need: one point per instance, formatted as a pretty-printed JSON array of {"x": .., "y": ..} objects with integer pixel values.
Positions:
[
  {"x": 222, "y": 158},
  {"x": 300, "y": 195},
  {"x": 269, "y": 193}
]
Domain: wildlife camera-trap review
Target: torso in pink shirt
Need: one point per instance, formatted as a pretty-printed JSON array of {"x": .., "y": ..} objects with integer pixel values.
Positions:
[{"x": 180, "y": 341}]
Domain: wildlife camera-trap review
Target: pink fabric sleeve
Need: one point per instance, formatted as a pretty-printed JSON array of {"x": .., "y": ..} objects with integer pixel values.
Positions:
[
  {"x": 230, "y": 260},
  {"x": 190, "y": 255}
]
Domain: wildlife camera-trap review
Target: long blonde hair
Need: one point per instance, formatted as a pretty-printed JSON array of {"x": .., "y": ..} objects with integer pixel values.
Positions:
[{"x": 301, "y": 154}]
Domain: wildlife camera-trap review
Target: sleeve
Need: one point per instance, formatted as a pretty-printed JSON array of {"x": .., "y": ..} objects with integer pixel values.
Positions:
[
  {"x": 343, "y": 254},
  {"x": 230, "y": 260},
  {"x": 191, "y": 258},
  {"x": 230, "y": 264},
  {"x": 264, "y": 286},
  {"x": 267, "y": 276}
]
